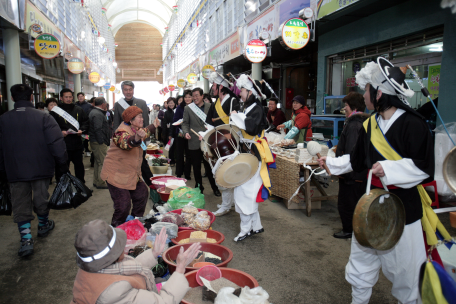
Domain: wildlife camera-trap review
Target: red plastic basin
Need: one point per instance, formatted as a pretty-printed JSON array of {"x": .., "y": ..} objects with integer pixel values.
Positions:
[
  {"x": 211, "y": 234},
  {"x": 169, "y": 256},
  {"x": 163, "y": 196},
  {"x": 211, "y": 216},
  {"x": 155, "y": 186},
  {"x": 238, "y": 277}
]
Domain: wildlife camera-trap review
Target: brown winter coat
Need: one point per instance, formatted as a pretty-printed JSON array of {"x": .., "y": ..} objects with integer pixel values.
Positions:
[
  {"x": 98, "y": 288},
  {"x": 122, "y": 168}
]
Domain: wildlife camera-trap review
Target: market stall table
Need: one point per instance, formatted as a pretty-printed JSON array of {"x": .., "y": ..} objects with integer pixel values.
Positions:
[{"x": 285, "y": 181}]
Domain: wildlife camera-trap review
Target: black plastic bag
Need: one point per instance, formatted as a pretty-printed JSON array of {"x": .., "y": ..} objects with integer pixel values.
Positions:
[
  {"x": 69, "y": 193},
  {"x": 5, "y": 199}
]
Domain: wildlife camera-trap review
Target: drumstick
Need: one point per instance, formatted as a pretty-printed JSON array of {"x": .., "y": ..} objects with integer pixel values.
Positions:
[
  {"x": 196, "y": 133},
  {"x": 218, "y": 118}
]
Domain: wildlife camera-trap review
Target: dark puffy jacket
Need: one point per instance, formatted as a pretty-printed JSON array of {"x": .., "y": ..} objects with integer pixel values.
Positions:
[
  {"x": 347, "y": 142},
  {"x": 30, "y": 144},
  {"x": 99, "y": 127},
  {"x": 73, "y": 141},
  {"x": 87, "y": 107}
]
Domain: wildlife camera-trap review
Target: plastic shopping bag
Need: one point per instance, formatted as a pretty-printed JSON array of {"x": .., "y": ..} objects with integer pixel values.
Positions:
[
  {"x": 5, "y": 199},
  {"x": 226, "y": 296},
  {"x": 136, "y": 234},
  {"x": 255, "y": 295},
  {"x": 171, "y": 229},
  {"x": 69, "y": 193},
  {"x": 184, "y": 196}
]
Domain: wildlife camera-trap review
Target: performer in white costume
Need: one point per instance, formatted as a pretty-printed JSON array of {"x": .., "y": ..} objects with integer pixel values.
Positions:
[
  {"x": 251, "y": 119},
  {"x": 396, "y": 145},
  {"x": 218, "y": 115}
]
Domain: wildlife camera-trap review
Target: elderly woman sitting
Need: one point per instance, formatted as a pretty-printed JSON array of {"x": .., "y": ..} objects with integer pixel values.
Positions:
[
  {"x": 106, "y": 275},
  {"x": 122, "y": 166}
]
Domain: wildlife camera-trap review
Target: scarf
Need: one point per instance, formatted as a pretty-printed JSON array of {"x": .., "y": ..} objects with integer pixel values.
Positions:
[{"x": 129, "y": 266}]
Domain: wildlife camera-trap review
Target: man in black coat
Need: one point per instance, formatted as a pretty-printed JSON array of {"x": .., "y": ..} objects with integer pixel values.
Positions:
[
  {"x": 72, "y": 121},
  {"x": 28, "y": 165},
  {"x": 87, "y": 107},
  {"x": 99, "y": 139}
]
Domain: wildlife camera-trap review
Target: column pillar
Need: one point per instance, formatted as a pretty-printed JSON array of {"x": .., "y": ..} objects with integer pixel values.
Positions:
[
  {"x": 107, "y": 97},
  {"x": 206, "y": 86},
  {"x": 12, "y": 61},
  {"x": 77, "y": 85},
  {"x": 257, "y": 69}
]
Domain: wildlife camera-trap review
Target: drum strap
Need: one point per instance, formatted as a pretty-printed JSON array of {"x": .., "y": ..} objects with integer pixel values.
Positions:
[
  {"x": 218, "y": 107},
  {"x": 429, "y": 221}
]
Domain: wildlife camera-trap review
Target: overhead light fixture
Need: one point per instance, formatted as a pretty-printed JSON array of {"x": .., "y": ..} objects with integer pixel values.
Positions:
[
  {"x": 114, "y": 64},
  {"x": 437, "y": 49},
  {"x": 101, "y": 40}
]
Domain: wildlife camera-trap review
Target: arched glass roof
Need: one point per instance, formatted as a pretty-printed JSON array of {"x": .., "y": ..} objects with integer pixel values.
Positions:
[{"x": 156, "y": 13}]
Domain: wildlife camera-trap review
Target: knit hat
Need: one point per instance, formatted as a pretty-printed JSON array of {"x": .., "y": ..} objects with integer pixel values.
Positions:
[
  {"x": 130, "y": 113},
  {"x": 300, "y": 99},
  {"x": 98, "y": 245}
]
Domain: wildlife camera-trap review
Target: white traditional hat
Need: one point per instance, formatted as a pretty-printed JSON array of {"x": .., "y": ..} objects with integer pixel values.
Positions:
[
  {"x": 219, "y": 79},
  {"x": 386, "y": 77},
  {"x": 246, "y": 82}
]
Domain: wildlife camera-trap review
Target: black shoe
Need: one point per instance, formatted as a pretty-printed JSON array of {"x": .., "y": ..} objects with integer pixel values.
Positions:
[
  {"x": 204, "y": 175},
  {"x": 91, "y": 165},
  {"x": 342, "y": 235},
  {"x": 188, "y": 178},
  {"x": 43, "y": 231},
  {"x": 217, "y": 192},
  {"x": 26, "y": 248},
  {"x": 256, "y": 231},
  {"x": 200, "y": 187}
]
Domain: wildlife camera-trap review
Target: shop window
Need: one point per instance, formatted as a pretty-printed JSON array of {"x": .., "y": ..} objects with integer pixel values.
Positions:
[{"x": 422, "y": 52}]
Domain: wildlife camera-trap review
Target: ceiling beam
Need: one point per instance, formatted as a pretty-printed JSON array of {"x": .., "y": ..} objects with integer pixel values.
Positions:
[
  {"x": 110, "y": 20},
  {"x": 114, "y": 31}
]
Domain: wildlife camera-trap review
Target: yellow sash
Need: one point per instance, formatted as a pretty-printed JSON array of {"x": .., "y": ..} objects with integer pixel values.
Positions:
[
  {"x": 265, "y": 155},
  {"x": 220, "y": 112},
  {"x": 430, "y": 221}
]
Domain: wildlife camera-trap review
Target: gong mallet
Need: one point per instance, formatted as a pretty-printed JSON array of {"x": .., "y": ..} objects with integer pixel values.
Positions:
[{"x": 314, "y": 149}]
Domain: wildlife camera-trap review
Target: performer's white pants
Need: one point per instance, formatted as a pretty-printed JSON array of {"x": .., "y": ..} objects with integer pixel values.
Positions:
[
  {"x": 401, "y": 265},
  {"x": 250, "y": 222},
  {"x": 227, "y": 199}
]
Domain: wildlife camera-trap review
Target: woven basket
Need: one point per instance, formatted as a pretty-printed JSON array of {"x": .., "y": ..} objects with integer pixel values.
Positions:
[{"x": 285, "y": 179}]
